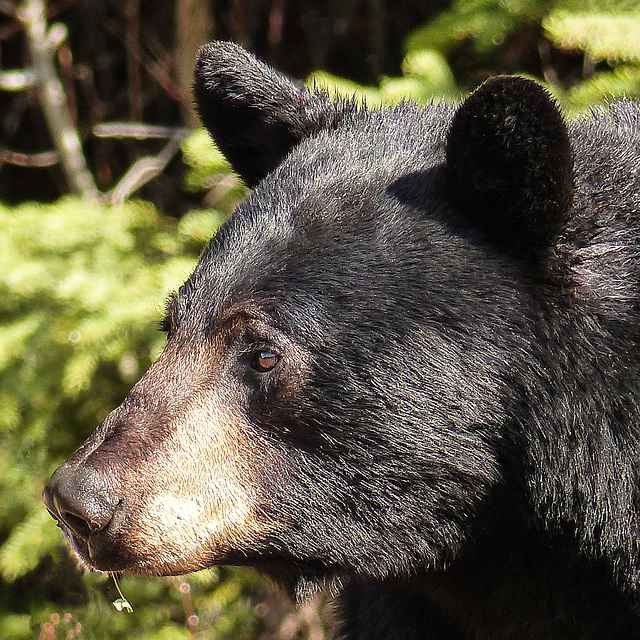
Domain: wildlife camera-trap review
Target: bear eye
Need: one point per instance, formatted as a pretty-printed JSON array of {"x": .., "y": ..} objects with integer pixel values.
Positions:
[{"x": 264, "y": 360}]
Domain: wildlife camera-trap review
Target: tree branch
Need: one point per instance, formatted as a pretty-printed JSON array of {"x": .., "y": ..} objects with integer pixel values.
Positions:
[
  {"x": 43, "y": 159},
  {"x": 42, "y": 43},
  {"x": 138, "y": 130},
  {"x": 17, "y": 79},
  {"x": 145, "y": 170}
]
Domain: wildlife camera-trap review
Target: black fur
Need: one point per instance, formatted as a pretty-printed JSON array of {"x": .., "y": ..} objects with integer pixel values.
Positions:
[
  {"x": 451, "y": 434},
  {"x": 509, "y": 164},
  {"x": 232, "y": 86}
]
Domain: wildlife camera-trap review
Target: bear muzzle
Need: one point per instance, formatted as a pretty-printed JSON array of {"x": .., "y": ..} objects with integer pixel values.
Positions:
[{"x": 90, "y": 513}]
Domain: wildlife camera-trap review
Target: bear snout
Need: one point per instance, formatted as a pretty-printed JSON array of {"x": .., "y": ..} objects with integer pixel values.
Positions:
[{"x": 79, "y": 498}]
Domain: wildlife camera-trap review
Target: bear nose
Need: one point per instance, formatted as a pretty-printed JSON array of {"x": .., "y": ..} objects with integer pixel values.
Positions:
[{"x": 80, "y": 500}]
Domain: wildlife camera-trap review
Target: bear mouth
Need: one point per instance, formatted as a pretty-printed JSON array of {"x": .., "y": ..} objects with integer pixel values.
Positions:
[{"x": 98, "y": 550}]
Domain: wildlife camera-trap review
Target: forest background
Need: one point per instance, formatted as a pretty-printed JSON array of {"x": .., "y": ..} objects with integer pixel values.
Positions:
[{"x": 109, "y": 192}]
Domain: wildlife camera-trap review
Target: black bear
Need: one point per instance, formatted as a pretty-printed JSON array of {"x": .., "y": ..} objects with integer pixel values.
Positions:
[{"x": 406, "y": 369}]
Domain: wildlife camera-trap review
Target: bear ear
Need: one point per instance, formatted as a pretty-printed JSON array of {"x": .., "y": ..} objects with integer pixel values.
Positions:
[
  {"x": 254, "y": 114},
  {"x": 509, "y": 164}
]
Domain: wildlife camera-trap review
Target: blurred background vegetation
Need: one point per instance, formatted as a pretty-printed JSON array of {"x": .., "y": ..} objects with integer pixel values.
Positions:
[{"x": 108, "y": 193}]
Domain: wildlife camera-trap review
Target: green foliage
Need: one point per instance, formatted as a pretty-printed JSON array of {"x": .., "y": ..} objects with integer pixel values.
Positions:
[
  {"x": 485, "y": 22},
  {"x": 208, "y": 170},
  {"x": 608, "y": 34},
  {"x": 81, "y": 291},
  {"x": 602, "y": 36},
  {"x": 622, "y": 81},
  {"x": 335, "y": 85},
  {"x": 603, "y": 29},
  {"x": 427, "y": 75},
  {"x": 605, "y": 32},
  {"x": 82, "y": 288},
  {"x": 203, "y": 159},
  {"x": 163, "y": 608}
]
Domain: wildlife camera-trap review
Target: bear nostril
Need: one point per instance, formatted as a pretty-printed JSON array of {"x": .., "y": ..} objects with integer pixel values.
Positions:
[
  {"x": 80, "y": 500},
  {"x": 76, "y": 524}
]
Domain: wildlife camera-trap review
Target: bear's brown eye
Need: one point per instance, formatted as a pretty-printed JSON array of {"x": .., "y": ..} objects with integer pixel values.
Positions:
[{"x": 264, "y": 360}]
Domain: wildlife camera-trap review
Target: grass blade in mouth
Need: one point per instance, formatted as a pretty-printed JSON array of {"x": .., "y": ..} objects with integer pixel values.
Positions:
[{"x": 121, "y": 603}]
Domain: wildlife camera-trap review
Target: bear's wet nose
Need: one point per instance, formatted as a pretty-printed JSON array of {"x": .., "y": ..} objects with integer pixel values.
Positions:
[{"x": 80, "y": 499}]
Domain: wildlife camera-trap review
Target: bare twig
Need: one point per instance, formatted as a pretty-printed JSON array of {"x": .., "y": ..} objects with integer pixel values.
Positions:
[
  {"x": 17, "y": 80},
  {"x": 42, "y": 43},
  {"x": 44, "y": 159},
  {"x": 138, "y": 130},
  {"x": 219, "y": 186},
  {"x": 145, "y": 170}
]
